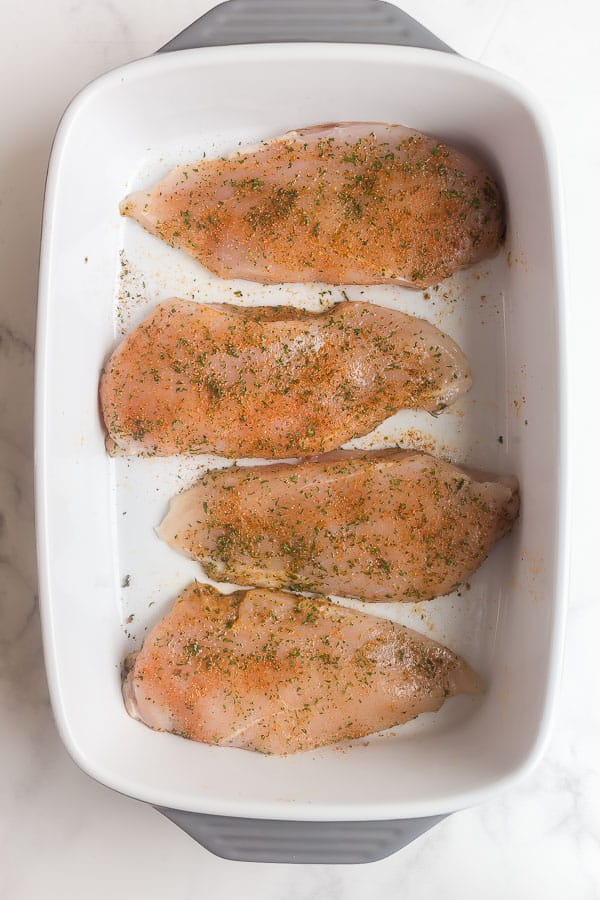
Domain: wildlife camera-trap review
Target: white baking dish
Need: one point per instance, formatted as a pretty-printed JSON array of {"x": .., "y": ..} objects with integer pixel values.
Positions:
[{"x": 96, "y": 515}]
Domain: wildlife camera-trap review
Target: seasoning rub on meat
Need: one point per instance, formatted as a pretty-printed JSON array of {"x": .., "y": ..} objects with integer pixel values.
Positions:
[
  {"x": 270, "y": 671},
  {"x": 380, "y": 525},
  {"x": 348, "y": 203},
  {"x": 271, "y": 382}
]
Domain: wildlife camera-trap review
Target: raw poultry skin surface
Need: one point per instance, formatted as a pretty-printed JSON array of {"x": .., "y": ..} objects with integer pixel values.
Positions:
[
  {"x": 348, "y": 203},
  {"x": 270, "y": 671},
  {"x": 381, "y": 525},
  {"x": 271, "y": 382}
]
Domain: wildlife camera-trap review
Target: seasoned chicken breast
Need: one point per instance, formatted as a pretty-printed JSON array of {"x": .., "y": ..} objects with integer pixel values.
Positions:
[
  {"x": 349, "y": 203},
  {"x": 269, "y": 671},
  {"x": 391, "y": 525},
  {"x": 271, "y": 381}
]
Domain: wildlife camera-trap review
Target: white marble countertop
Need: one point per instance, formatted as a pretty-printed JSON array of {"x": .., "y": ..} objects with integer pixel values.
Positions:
[{"x": 63, "y": 835}]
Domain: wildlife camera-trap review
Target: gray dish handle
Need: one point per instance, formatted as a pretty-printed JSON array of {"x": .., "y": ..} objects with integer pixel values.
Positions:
[
  {"x": 275, "y": 21},
  {"x": 284, "y": 841}
]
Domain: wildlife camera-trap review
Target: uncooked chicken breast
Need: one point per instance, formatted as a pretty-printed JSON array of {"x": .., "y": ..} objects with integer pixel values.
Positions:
[
  {"x": 351, "y": 203},
  {"x": 271, "y": 381},
  {"x": 269, "y": 671},
  {"x": 391, "y": 525}
]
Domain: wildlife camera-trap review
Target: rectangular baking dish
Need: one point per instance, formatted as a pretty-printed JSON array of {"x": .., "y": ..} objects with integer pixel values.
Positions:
[{"x": 105, "y": 577}]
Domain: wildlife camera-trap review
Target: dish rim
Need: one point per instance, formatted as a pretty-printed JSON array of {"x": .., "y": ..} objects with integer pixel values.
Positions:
[{"x": 560, "y": 565}]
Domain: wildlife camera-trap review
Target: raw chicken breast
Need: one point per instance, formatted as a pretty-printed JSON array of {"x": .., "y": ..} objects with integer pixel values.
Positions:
[
  {"x": 269, "y": 671},
  {"x": 271, "y": 381},
  {"x": 391, "y": 525},
  {"x": 352, "y": 203}
]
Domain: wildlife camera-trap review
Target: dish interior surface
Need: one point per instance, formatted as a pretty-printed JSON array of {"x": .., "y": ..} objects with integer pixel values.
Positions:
[{"x": 107, "y": 578}]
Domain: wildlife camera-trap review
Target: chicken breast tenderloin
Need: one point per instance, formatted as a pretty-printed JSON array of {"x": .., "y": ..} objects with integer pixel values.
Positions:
[
  {"x": 381, "y": 525},
  {"x": 270, "y": 671},
  {"x": 271, "y": 382},
  {"x": 348, "y": 203}
]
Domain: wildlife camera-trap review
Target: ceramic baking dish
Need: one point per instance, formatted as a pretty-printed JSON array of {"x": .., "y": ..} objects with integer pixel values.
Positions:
[{"x": 105, "y": 577}]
